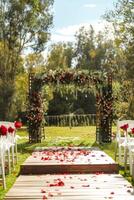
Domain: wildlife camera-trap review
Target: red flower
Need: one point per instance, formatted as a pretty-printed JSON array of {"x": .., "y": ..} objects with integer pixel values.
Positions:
[
  {"x": 17, "y": 124},
  {"x": 10, "y": 129},
  {"x": 124, "y": 127},
  {"x": 3, "y": 130},
  {"x": 132, "y": 130}
]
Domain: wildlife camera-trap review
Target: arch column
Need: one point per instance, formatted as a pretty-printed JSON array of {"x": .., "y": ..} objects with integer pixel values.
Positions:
[{"x": 106, "y": 112}]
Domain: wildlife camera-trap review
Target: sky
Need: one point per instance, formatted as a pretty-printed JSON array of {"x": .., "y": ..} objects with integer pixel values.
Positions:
[{"x": 70, "y": 15}]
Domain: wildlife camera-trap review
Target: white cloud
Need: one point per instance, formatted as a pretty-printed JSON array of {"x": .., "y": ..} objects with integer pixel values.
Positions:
[
  {"x": 69, "y": 30},
  {"x": 67, "y": 33},
  {"x": 91, "y": 5},
  {"x": 55, "y": 37}
]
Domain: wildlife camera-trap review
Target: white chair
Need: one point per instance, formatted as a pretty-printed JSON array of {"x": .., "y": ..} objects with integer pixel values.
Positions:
[
  {"x": 130, "y": 153},
  {"x": 8, "y": 145},
  {"x": 122, "y": 141},
  {"x": 11, "y": 142},
  {"x": 2, "y": 163}
]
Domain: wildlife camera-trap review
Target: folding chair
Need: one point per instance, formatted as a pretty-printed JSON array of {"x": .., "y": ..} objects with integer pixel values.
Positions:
[
  {"x": 131, "y": 156},
  {"x": 2, "y": 164},
  {"x": 121, "y": 145}
]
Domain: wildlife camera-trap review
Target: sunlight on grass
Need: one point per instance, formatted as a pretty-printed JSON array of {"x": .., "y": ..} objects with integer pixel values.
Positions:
[
  {"x": 64, "y": 136},
  {"x": 75, "y": 136}
]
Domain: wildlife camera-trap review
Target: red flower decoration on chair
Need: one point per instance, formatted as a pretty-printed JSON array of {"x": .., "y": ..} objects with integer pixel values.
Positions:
[
  {"x": 132, "y": 131},
  {"x": 10, "y": 129},
  {"x": 3, "y": 130},
  {"x": 17, "y": 124},
  {"x": 124, "y": 127}
]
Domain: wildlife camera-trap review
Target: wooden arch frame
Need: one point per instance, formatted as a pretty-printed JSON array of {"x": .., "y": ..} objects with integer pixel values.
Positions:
[{"x": 104, "y": 100}]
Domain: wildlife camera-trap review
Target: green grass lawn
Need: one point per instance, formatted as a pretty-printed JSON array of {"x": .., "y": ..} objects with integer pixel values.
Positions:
[{"x": 56, "y": 136}]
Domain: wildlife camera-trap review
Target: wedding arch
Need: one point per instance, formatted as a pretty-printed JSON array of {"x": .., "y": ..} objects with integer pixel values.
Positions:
[{"x": 104, "y": 100}]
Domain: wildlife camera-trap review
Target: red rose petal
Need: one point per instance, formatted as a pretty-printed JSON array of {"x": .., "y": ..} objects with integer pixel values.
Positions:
[
  {"x": 85, "y": 185},
  {"x": 72, "y": 187},
  {"x": 50, "y": 194},
  {"x": 112, "y": 193},
  {"x": 43, "y": 191}
]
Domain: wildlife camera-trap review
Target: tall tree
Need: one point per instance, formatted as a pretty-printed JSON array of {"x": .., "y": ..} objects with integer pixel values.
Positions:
[
  {"x": 23, "y": 25},
  {"x": 35, "y": 62},
  {"x": 93, "y": 51},
  {"x": 122, "y": 18},
  {"x": 60, "y": 56},
  {"x": 85, "y": 48}
]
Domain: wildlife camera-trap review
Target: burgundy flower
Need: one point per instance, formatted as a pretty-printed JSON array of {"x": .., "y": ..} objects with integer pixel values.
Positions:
[
  {"x": 3, "y": 130},
  {"x": 10, "y": 129},
  {"x": 132, "y": 131},
  {"x": 17, "y": 124},
  {"x": 124, "y": 127}
]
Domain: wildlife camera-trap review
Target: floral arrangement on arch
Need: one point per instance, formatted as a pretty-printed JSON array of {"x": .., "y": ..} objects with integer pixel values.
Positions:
[
  {"x": 125, "y": 128},
  {"x": 4, "y": 130},
  {"x": 104, "y": 102}
]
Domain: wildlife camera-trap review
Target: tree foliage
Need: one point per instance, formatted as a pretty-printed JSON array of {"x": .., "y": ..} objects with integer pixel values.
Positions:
[
  {"x": 94, "y": 52},
  {"x": 60, "y": 56},
  {"x": 24, "y": 25},
  {"x": 122, "y": 18}
]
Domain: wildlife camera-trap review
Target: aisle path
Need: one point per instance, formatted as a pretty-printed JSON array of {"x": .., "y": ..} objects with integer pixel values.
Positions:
[
  {"x": 74, "y": 180},
  {"x": 69, "y": 160}
]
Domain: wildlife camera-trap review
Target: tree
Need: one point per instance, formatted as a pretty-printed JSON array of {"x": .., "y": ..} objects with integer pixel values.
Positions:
[
  {"x": 7, "y": 80},
  {"x": 19, "y": 103},
  {"x": 35, "y": 62},
  {"x": 94, "y": 51},
  {"x": 60, "y": 56},
  {"x": 122, "y": 18},
  {"x": 24, "y": 25},
  {"x": 85, "y": 48}
]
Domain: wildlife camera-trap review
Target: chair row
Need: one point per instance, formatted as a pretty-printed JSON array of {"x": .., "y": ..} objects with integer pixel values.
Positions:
[
  {"x": 8, "y": 148},
  {"x": 124, "y": 148}
]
